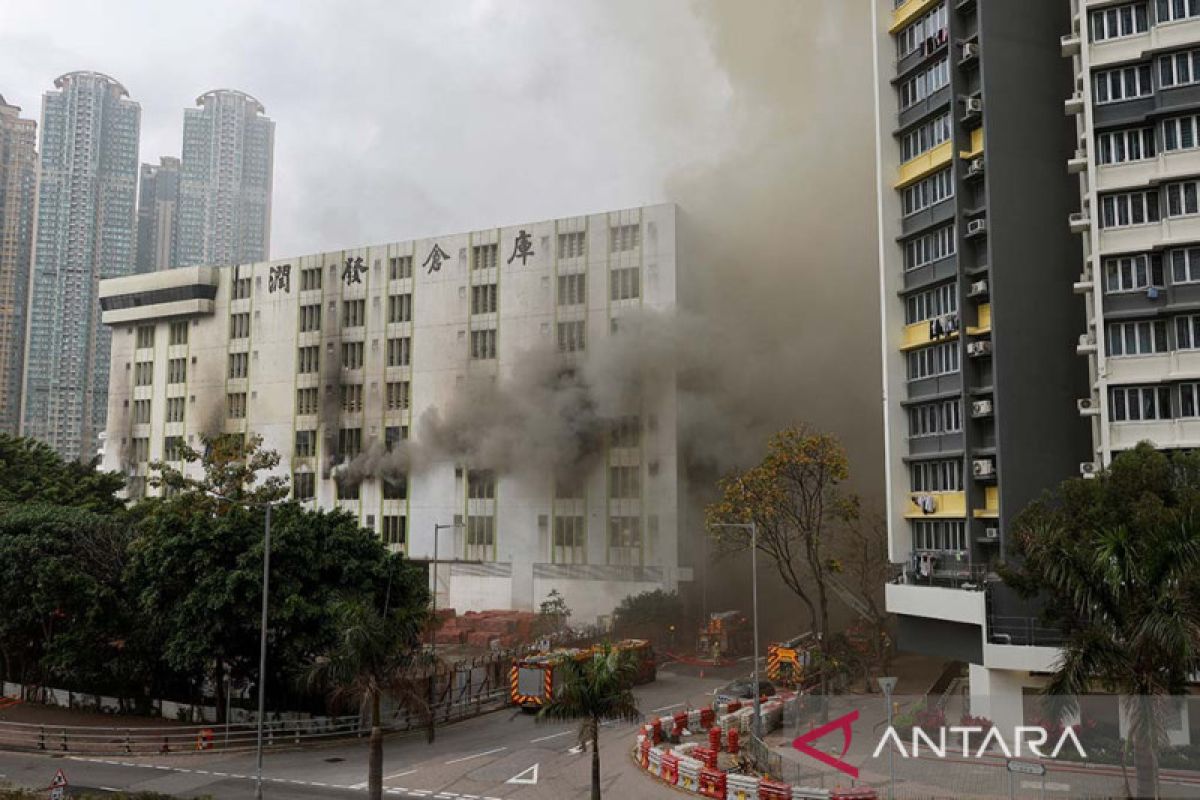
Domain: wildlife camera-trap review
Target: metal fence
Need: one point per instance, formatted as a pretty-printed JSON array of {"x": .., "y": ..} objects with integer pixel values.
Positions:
[{"x": 1023, "y": 631}]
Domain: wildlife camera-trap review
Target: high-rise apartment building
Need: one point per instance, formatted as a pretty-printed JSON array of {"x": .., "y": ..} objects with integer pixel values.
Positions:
[
  {"x": 85, "y": 232},
  {"x": 979, "y": 318},
  {"x": 341, "y": 361},
  {"x": 1137, "y": 106},
  {"x": 18, "y": 197},
  {"x": 158, "y": 207},
  {"x": 225, "y": 182}
]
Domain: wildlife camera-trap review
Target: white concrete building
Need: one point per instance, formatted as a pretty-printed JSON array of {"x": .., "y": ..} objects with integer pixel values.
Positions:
[{"x": 334, "y": 356}]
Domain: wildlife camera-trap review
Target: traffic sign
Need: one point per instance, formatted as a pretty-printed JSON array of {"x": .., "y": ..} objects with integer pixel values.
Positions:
[
  {"x": 1026, "y": 768},
  {"x": 58, "y": 786}
]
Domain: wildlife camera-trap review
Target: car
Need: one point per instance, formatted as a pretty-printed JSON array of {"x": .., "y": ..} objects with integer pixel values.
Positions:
[{"x": 743, "y": 689}]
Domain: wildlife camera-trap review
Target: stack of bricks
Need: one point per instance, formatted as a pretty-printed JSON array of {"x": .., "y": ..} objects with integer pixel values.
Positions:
[{"x": 485, "y": 629}]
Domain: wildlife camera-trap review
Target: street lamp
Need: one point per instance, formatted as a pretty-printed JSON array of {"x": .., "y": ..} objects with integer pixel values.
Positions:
[
  {"x": 753, "y": 528},
  {"x": 888, "y": 685},
  {"x": 438, "y": 527}
]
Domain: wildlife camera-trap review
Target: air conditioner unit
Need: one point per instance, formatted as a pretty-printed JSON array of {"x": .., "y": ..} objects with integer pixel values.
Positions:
[
  {"x": 975, "y": 167},
  {"x": 974, "y": 105},
  {"x": 970, "y": 50},
  {"x": 1086, "y": 405},
  {"x": 983, "y": 468},
  {"x": 991, "y": 533},
  {"x": 981, "y": 408},
  {"x": 978, "y": 289},
  {"x": 1152, "y": 293},
  {"x": 976, "y": 349},
  {"x": 976, "y": 227},
  {"x": 1089, "y": 469}
]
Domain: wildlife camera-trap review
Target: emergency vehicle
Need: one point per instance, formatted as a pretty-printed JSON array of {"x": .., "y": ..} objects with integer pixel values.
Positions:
[
  {"x": 535, "y": 679},
  {"x": 727, "y": 634}
]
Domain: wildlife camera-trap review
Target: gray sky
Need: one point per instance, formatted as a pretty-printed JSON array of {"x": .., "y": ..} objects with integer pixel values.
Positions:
[{"x": 408, "y": 118}]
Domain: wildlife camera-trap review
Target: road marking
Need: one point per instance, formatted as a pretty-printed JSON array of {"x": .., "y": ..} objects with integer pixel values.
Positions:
[
  {"x": 476, "y": 755},
  {"x": 666, "y": 708},
  {"x": 525, "y": 776},
  {"x": 397, "y": 775},
  {"x": 1050, "y": 786},
  {"x": 551, "y": 736}
]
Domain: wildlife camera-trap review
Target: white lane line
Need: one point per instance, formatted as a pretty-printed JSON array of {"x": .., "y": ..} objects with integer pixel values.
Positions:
[
  {"x": 397, "y": 775},
  {"x": 551, "y": 736},
  {"x": 476, "y": 755},
  {"x": 362, "y": 785},
  {"x": 666, "y": 708}
]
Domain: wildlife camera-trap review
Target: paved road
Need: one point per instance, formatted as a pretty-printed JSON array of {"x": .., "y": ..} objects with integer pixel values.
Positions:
[{"x": 471, "y": 760}]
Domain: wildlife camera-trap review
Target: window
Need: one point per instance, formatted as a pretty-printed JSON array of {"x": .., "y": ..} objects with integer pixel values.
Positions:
[
  {"x": 928, "y": 26},
  {"x": 937, "y": 476},
  {"x": 143, "y": 373},
  {"x": 568, "y": 487},
  {"x": 481, "y": 484},
  {"x": 1187, "y": 332},
  {"x": 399, "y": 267},
  {"x": 1179, "y": 69},
  {"x": 931, "y": 303},
  {"x": 306, "y": 444},
  {"x": 172, "y": 448},
  {"x": 395, "y": 487},
  {"x": 145, "y": 336},
  {"x": 176, "y": 408},
  {"x": 310, "y": 318},
  {"x": 572, "y": 290},
  {"x": 1136, "y": 338},
  {"x": 929, "y": 192},
  {"x": 625, "y": 532},
  {"x": 141, "y": 412},
  {"x": 1185, "y": 265},
  {"x": 354, "y": 313},
  {"x": 239, "y": 365},
  {"x": 625, "y": 284},
  {"x": 1133, "y": 273},
  {"x": 308, "y": 359},
  {"x": 483, "y": 344},
  {"x": 348, "y": 490},
  {"x": 929, "y": 248},
  {"x": 624, "y": 237},
  {"x": 570, "y": 540},
  {"x": 1171, "y": 10},
  {"x": 942, "y": 535},
  {"x": 924, "y": 83},
  {"x": 349, "y": 442},
  {"x": 626, "y": 432},
  {"x": 933, "y": 419},
  {"x": 393, "y": 435},
  {"x": 625, "y": 482},
  {"x": 930, "y": 362},
  {"x": 353, "y": 354},
  {"x": 1130, "y": 208},
  {"x": 240, "y": 289},
  {"x": 400, "y": 308},
  {"x": 571, "y": 245},
  {"x": 307, "y": 401},
  {"x": 1179, "y": 133},
  {"x": 1123, "y": 83},
  {"x": 1183, "y": 199},
  {"x": 483, "y": 299},
  {"x": 310, "y": 279},
  {"x": 926, "y": 137},
  {"x": 399, "y": 352},
  {"x": 239, "y": 326},
  {"x": 304, "y": 484},
  {"x": 571, "y": 336},
  {"x": 395, "y": 530},
  {"x": 235, "y": 404},
  {"x": 484, "y": 256},
  {"x": 1113, "y": 23},
  {"x": 1189, "y": 400},
  {"x": 178, "y": 333},
  {"x": 352, "y": 397},
  {"x": 481, "y": 536},
  {"x": 397, "y": 395},
  {"x": 1139, "y": 403},
  {"x": 1119, "y": 147},
  {"x": 141, "y": 449}
]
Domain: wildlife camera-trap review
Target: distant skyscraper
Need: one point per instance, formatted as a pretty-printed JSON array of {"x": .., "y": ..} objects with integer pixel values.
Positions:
[
  {"x": 85, "y": 232},
  {"x": 225, "y": 182},
  {"x": 18, "y": 199},
  {"x": 158, "y": 207}
]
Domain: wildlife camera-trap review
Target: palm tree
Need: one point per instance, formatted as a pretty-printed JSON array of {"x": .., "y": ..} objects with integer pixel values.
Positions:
[
  {"x": 375, "y": 654},
  {"x": 595, "y": 690}
]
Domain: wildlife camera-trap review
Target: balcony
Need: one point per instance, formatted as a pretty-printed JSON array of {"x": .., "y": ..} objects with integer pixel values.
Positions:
[
  {"x": 1074, "y": 104},
  {"x": 1077, "y": 164},
  {"x": 920, "y": 334},
  {"x": 939, "y": 569},
  {"x": 949, "y": 603},
  {"x": 937, "y": 505},
  {"x": 1070, "y": 45},
  {"x": 983, "y": 325},
  {"x": 1087, "y": 345},
  {"x": 1085, "y": 284},
  {"x": 924, "y": 165},
  {"x": 1080, "y": 221},
  {"x": 991, "y": 502}
]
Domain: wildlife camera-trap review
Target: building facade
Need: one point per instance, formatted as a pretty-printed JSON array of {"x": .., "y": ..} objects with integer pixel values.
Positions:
[
  {"x": 18, "y": 198},
  {"x": 339, "y": 360},
  {"x": 85, "y": 233},
  {"x": 158, "y": 207},
  {"x": 1137, "y": 105},
  {"x": 225, "y": 183},
  {"x": 980, "y": 322}
]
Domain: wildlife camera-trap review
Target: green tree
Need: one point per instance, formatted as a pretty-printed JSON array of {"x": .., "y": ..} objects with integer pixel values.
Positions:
[
  {"x": 377, "y": 654},
  {"x": 651, "y": 615},
  {"x": 31, "y": 472},
  {"x": 1117, "y": 561},
  {"x": 553, "y": 613},
  {"x": 596, "y": 690}
]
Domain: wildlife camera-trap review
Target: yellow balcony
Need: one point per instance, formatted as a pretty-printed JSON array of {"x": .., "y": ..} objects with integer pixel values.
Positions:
[
  {"x": 909, "y": 12},
  {"x": 976, "y": 146},
  {"x": 985, "y": 321},
  {"x": 946, "y": 505},
  {"x": 991, "y": 504},
  {"x": 924, "y": 165},
  {"x": 917, "y": 335}
]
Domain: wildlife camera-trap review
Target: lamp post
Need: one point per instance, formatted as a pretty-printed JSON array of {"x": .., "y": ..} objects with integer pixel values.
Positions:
[
  {"x": 753, "y": 528},
  {"x": 438, "y": 527},
  {"x": 888, "y": 685}
]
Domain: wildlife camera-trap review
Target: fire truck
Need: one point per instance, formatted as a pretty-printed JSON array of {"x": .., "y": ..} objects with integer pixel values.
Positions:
[
  {"x": 789, "y": 662},
  {"x": 535, "y": 679},
  {"x": 726, "y": 634}
]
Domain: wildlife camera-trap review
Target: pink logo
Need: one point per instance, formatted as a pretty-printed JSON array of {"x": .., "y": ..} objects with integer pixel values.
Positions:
[{"x": 842, "y": 723}]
